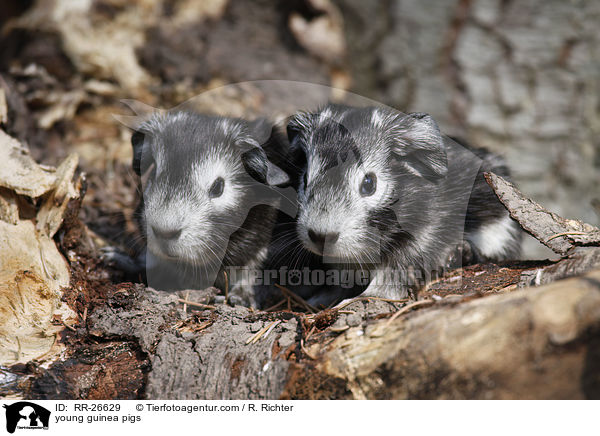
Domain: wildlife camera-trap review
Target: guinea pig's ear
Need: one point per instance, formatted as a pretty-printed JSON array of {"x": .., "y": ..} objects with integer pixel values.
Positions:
[
  {"x": 260, "y": 168},
  {"x": 137, "y": 141},
  {"x": 261, "y": 130},
  {"x": 420, "y": 146}
]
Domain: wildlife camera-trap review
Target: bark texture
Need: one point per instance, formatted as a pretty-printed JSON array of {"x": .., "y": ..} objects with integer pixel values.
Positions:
[
  {"x": 536, "y": 343},
  {"x": 520, "y": 77}
]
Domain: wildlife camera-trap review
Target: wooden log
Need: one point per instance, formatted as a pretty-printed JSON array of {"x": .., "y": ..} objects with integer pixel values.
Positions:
[{"x": 535, "y": 343}]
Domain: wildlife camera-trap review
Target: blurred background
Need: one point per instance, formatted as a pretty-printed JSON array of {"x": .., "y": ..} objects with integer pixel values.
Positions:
[{"x": 520, "y": 77}]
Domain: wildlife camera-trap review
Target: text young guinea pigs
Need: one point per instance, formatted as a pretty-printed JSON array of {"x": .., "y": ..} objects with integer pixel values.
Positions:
[
  {"x": 384, "y": 192},
  {"x": 209, "y": 202}
]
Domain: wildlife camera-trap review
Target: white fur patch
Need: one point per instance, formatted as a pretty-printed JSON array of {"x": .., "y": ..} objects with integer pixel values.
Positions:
[
  {"x": 377, "y": 119},
  {"x": 325, "y": 115},
  {"x": 493, "y": 239},
  {"x": 230, "y": 128}
]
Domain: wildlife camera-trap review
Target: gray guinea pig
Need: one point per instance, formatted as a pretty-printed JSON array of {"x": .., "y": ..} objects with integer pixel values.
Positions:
[
  {"x": 209, "y": 202},
  {"x": 385, "y": 192}
]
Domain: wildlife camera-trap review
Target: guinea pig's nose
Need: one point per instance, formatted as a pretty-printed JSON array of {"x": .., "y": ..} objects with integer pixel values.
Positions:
[
  {"x": 166, "y": 234},
  {"x": 319, "y": 239}
]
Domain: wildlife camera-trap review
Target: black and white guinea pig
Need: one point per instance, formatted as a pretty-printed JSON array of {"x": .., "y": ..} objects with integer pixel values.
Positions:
[
  {"x": 385, "y": 192},
  {"x": 209, "y": 201}
]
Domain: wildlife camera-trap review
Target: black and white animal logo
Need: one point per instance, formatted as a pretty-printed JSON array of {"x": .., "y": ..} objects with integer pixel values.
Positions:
[{"x": 26, "y": 415}]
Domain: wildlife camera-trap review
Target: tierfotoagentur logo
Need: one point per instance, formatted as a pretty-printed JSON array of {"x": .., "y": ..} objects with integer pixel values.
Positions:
[
  {"x": 345, "y": 278},
  {"x": 25, "y": 415}
]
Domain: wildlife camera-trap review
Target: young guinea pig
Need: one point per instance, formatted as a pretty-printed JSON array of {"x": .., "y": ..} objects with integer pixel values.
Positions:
[
  {"x": 385, "y": 193},
  {"x": 209, "y": 202}
]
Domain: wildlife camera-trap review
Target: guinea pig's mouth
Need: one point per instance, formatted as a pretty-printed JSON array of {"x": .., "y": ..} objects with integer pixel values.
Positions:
[
  {"x": 342, "y": 250},
  {"x": 163, "y": 253},
  {"x": 167, "y": 250},
  {"x": 171, "y": 256},
  {"x": 325, "y": 248},
  {"x": 196, "y": 256}
]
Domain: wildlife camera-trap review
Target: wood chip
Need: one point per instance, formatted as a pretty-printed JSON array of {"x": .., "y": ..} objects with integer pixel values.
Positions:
[
  {"x": 557, "y": 233},
  {"x": 194, "y": 304},
  {"x": 264, "y": 331}
]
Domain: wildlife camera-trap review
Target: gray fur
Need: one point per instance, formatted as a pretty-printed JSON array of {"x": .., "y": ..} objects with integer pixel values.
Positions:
[
  {"x": 431, "y": 206},
  {"x": 196, "y": 227}
]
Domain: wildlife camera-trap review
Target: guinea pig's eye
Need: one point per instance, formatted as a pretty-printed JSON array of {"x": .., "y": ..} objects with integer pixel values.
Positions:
[
  {"x": 216, "y": 190},
  {"x": 368, "y": 185}
]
